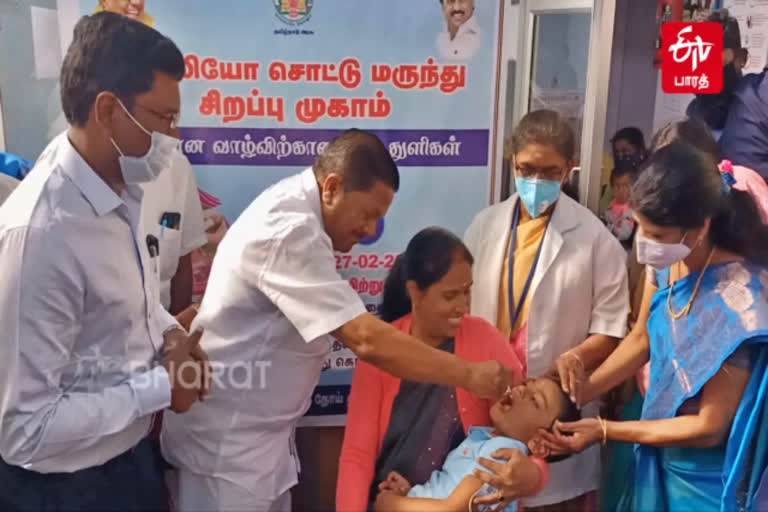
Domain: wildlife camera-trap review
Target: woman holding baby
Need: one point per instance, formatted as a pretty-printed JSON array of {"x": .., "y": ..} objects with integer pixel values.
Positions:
[
  {"x": 407, "y": 427},
  {"x": 549, "y": 280}
]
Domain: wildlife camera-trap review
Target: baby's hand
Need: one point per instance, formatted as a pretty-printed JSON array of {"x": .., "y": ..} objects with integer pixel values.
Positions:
[{"x": 395, "y": 483}]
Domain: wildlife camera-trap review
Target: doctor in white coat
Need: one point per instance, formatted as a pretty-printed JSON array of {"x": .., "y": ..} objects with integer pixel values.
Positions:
[{"x": 569, "y": 301}]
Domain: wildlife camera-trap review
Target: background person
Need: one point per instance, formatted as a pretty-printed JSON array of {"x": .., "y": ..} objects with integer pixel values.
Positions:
[
  {"x": 89, "y": 353},
  {"x": 702, "y": 435},
  {"x": 410, "y": 427},
  {"x": 700, "y": 136},
  {"x": 275, "y": 297},
  {"x": 713, "y": 109},
  {"x": 171, "y": 211},
  {"x": 555, "y": 284},
  {"x": 745, "y": 136},
  {"x": 618, "y": 217},
  {"x": 628, "y": 151}
]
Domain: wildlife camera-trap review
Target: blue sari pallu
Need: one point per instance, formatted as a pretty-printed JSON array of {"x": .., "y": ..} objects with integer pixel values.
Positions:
[{"x": 731, "y": 309}]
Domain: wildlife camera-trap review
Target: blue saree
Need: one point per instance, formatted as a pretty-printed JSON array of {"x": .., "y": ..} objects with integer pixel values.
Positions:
[{"x": 731, "y": 309}]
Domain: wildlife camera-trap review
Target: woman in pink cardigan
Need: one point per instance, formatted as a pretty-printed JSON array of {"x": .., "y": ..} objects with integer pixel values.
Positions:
[{"x": 410, "y": 427}]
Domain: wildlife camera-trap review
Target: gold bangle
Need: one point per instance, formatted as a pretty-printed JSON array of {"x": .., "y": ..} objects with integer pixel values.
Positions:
[
  {"x": 604, "y": 428},
  {"x": 196, "y": 307}
]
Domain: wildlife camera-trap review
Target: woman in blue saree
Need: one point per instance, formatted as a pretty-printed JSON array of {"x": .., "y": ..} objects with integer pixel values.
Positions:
[{"x": 702, "y": 440}]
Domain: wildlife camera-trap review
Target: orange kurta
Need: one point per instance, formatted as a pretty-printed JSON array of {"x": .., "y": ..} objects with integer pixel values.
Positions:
[{"x": 529, "y": 237}]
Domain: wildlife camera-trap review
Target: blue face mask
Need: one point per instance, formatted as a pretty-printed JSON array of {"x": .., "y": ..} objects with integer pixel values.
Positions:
[{"x": 536, "y": 194}]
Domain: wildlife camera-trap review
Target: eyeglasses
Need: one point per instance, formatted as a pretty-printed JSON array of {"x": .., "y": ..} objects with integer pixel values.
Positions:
[
  {"x": 171, "y": 119},
  {"x": 546, "y": 173}
]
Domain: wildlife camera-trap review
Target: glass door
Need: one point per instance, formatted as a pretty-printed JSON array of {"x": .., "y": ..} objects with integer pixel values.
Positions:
[
  {"x": 563, "y": 65},
  {"x": 558, "y": 80}
]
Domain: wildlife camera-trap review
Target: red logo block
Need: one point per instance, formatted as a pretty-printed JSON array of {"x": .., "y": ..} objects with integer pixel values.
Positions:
[{"x": 692, "y": 58}]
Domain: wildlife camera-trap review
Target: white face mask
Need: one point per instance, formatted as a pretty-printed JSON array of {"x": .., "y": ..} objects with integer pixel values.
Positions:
[
  {"x": 659, "y": 255},
  {"x": 143, "y": 169}
]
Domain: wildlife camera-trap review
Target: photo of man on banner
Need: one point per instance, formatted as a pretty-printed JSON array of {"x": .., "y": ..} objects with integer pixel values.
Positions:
[
  {"x": 129, "y": 8},
  {"x": 462, "y": 35}
]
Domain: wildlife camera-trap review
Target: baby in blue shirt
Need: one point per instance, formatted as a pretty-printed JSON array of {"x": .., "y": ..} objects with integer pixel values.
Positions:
[{"x": 516, "y": 418}]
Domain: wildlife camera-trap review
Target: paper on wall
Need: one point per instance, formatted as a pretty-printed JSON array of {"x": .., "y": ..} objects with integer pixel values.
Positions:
[
  {"x": 68, "y": 14},
  {"x": 752, "y": 16},
  {"x": 46, "y": 43}
]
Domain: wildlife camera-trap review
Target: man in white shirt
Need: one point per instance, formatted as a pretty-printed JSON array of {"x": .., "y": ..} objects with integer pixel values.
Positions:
[
  {"x": 273, "y": 301},
  {"x": 171, "y": 211},
  {"x": 173, "y": 195},
  {"x": 462, "y": 36},
  {"x": 89, "y": 354}
]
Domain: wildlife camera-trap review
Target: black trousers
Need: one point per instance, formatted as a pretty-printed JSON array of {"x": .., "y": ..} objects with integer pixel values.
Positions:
[{"x": 132, "y": 481}]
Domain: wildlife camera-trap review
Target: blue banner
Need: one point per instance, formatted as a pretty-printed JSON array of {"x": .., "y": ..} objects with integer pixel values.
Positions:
[{"x": 270, "y": 82}]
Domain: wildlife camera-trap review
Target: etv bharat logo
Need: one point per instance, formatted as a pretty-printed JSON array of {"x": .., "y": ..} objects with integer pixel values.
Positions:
[
  {"x": 293, "y": 12},
  {"x": 692, "y": 60}
]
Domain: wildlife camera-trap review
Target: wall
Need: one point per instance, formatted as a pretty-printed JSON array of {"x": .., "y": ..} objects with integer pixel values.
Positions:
[{"x": 23, "y": 94}]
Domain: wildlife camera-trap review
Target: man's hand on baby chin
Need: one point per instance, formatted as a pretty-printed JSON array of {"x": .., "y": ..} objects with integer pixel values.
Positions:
[{"x": 395, "y": 483}]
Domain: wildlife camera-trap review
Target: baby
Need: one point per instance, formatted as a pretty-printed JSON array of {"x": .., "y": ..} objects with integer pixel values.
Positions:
[
  {"x": 618, "y": 218},
  {"x": 516, "y": 418}
]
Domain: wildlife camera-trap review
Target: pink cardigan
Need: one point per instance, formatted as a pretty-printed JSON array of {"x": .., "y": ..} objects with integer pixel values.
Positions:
[{"x": 370, "y": 406}]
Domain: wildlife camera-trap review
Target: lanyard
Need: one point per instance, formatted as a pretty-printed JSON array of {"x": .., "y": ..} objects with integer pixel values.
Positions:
[{"x": 515, "y": 310}]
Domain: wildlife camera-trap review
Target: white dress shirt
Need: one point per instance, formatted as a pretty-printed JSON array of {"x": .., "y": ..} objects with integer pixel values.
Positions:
[
  {"x": 81, "y": 320},
  {"x": 273, "y": 297},
  {"x": 175, "y": 191},
  {"x": 579, "y": 288},
  {"x": 468, "y": 39}
]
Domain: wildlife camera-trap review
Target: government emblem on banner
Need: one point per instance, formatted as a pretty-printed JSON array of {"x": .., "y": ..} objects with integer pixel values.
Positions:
[{"x": 293, "y": 12}]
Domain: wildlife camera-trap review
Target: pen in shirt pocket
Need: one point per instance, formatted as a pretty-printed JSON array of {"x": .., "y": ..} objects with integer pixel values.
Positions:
[{"x": 153, "y": 246}]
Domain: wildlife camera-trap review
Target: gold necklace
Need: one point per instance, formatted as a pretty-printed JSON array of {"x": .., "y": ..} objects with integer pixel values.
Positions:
[{"x": 687, "y": 308}]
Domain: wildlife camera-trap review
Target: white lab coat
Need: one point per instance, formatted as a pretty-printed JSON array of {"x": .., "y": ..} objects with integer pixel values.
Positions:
[{"x": 579, "y": 288}]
